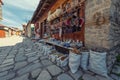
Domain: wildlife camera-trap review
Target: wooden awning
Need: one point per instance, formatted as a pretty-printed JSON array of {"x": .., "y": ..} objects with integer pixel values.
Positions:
[{"x": 43, "y": 6}]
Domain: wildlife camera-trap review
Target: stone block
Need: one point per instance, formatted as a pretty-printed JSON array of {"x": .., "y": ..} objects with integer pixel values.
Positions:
[
  {"x": 20, "y": 58},
  {"x": 6, "y": 68},
  {"x": 3, "y": 73},
  {"x": 116, "y": 69},
  {"x": 10, "y": 56},
  {"x": 31, "y": 59},
  {"x": 44, "y": 75},
  {"x": 31, "y": 54},
  {"x": 8, "y": 77},
  {"x": 28, "y": 68},
  {"x": 64, "y": 77},
  {"x": 103, "y": 78},
  {"x": 115, "y": 77},
  {"x": 43, "y": 57},
  {"x": 89, "y": 77},
  {"x": 76, "y": 75},
  {"x": 35, "y": 73},
  {"x": 19, "y": 65},
  {"x": 46, "y": 62},
  {"x": 23, "y": 77},
  {"x": 54, "y": 70}
]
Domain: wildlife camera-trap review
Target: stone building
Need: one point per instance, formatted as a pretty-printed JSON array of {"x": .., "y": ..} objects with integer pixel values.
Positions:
[
  {"x": 27, "y": 30},
  {"x": 4, "y": 31},
  {"x": 102, "y": 24},
  {"x": 99, "y": 28},
  {"x": 1, "y": 3},
  {"x": 102, "y": 27},
  {"x": 24, "y": 29},
  {"x": 43, "y": 26},
  {"x": 99, "y": 17}
]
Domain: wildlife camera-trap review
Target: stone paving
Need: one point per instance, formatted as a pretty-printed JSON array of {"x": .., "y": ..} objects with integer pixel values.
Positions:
[{"x": 24, "y": 62}]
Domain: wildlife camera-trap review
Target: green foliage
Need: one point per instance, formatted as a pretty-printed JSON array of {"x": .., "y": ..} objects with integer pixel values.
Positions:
[
  {"x": 117, "y": 74},
  {"x": 80, "y": 78},
  {"x": 118, "y": 63},
  {"x": 32, "y": 28},
  {"x": 118, "y": 58}
]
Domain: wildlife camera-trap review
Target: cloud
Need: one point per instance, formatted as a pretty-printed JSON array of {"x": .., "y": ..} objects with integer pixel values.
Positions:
[
  {"x": 24, "y": 4},
  {"x": 17, "y": 12},
  {"x": 10, "y": 23}
]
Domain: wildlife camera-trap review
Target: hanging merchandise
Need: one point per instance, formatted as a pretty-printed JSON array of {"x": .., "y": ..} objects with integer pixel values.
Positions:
[
  {"x": 67, "y": 22},
  {"x": 52, "y": 27},
  {"x": 57, "y": 30},
  {"x": 60, "y": 32},
  {"x": 49, "y": 16},
  {"x": 76, "y": 2},
  {"x": 81, "y": 21},
  {"x": 69, "y": 29},
  {"x": 74, "y": 28},
  {"x": 78, "y": 28},
  {"x": 58, "y": 12},
  {"x": 73, "y": 23},
  {"x": 48, "y": 19},
  {"x": 68, "y": 6},
  {"x": 74, "y": 61},
  {"x": 73, "y": 3},
  {"x": 49, "y": 13},
  {"x": 63, "y": 28},
  {"x": 53, "y": 16}
]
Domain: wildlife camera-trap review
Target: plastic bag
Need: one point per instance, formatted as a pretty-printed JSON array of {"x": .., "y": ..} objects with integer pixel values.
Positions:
[
  {"x": 74, "y": 61},
  {"x": 97, "y": 63},
  {"x": 42, "y": 50},
  {"x": 61, "y": 62},
  {"x": 47, "y": 50},
  {"x": 53, "y": 58},
  {"x": 84, "y": 60}
]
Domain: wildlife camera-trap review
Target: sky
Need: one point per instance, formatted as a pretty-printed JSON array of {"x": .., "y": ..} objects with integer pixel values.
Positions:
[{"x": 18, "y": 12}]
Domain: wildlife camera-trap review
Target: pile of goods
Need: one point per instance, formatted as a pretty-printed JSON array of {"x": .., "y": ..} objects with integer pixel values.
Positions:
[{"x": 77, "y": 58}]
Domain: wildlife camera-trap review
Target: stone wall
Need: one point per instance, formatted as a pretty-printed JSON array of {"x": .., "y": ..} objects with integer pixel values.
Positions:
[
  {"x": 97, "y": 23},
  {"x": 114, "y": 33},
  {"x": 102, "y": 28},
  {"x": 115, "y": 23}
]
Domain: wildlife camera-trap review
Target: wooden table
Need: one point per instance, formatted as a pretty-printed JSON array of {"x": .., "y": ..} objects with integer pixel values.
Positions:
[{"x": 59, "y": 48}]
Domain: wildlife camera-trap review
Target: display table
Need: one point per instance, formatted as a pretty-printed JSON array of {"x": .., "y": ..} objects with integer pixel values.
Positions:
[{"x": 59, "y": 48}]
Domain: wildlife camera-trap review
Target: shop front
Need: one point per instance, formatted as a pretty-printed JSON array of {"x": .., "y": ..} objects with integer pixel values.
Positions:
[
  {"x": 63, "y": 20},
  {"x": 4, "y": 31},
  {"x": 80, "y": 28},
  {"x": 60, "y": 26}
]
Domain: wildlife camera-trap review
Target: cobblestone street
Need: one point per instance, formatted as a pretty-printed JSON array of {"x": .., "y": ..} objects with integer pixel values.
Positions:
[{"x": 24, "y": 62}]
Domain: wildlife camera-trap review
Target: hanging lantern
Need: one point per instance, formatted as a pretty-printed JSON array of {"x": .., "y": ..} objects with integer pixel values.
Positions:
[
  {"x": 48, "y": 19},
  {"x": 49, "y": 16},
  {"x": 58, "y": 12}
]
